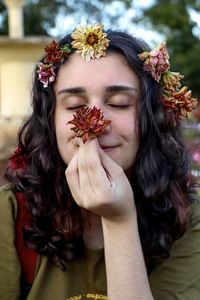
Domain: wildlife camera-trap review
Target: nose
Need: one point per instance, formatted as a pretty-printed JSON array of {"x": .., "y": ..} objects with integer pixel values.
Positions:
[
  {"x": 99, "y": 105},
  {"x": 107, "y": 129},
  {"x": 106, "y": 116}
]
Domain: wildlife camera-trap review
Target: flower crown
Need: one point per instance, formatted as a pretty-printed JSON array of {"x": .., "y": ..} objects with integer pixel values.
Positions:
[{"x": 91, "y": 42}]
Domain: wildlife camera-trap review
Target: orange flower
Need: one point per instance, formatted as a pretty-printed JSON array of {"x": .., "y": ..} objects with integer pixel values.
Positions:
[
  {"x": 171, "y": 80},
  {"x": 89, "y": 123},
  {"x": 180, "y": 102}
]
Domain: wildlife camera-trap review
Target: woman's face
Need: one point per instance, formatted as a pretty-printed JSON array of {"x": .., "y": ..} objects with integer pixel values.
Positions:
[{"x": 109, "y": 84}]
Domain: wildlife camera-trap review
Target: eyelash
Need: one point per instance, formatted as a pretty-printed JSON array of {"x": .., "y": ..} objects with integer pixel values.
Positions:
[
  {"x": 119, "y": 106},
  {"x": 75, "y": 107}
]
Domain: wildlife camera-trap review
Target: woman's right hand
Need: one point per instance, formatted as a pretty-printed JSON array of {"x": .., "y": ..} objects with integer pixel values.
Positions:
[{"x": 98, "y": 183}]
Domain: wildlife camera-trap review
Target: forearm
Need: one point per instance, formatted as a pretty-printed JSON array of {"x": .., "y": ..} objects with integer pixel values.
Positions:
[{"x": 125, "y": 268}]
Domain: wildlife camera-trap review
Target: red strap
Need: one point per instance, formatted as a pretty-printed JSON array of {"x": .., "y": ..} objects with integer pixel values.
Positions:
[{"x": 27, "y": 257}]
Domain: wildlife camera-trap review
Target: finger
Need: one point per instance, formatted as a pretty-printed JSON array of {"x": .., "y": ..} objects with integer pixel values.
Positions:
[
  {"x": 112, "y": 169},
  {"x": 78, "y": 141},
  {"x": 90, "y": 168}
]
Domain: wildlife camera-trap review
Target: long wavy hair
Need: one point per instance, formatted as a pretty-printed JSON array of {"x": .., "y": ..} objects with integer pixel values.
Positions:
[{"x": 160, "y": 179}]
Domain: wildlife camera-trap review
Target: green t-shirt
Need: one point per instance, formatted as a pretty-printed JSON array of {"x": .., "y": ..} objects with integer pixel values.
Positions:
[{"x": 177, "y": 278}]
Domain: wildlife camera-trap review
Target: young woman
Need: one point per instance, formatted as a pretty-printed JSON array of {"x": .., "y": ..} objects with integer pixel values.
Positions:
[{"x": 108, "y": 214}]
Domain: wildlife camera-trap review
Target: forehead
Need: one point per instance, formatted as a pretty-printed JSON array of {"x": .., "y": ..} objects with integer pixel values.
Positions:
[{"x": 112, "y": 69}]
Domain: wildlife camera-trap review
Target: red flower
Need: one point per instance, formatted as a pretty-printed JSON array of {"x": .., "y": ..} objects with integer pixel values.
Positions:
[
  {"x": 89, "y": 123},
  {"x": 17, "y": 160},
  {"x": 55, "y": 53}
]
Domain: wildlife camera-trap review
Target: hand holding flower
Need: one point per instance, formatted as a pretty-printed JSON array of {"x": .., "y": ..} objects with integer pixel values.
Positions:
[{"x": 98, "y": 184}]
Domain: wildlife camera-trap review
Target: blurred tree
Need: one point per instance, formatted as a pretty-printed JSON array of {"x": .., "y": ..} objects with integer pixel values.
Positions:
[
  {"x": 3, "y": 19},
  {"x": 173, "y": 18},
  {"x": 40, "y": 16}
]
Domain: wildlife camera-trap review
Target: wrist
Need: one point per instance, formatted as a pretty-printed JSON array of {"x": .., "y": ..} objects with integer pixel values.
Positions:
[{"x": 120, "y": 223}]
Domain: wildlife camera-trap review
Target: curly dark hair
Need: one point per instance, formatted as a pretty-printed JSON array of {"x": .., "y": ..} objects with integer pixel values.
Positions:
[{"x": 160, "y": 179}]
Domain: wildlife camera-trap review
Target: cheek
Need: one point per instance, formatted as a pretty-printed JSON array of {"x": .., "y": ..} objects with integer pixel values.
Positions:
[
  {"x": 62, "y": 128},
  {"x": 128, "y": 127},
  {"x": 64, "y": 137}
]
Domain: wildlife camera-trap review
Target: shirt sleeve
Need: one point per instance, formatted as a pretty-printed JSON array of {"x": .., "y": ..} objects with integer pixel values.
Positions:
[
  {"x": 9, "y": 263},
  {"x": 178, "y": 277}
]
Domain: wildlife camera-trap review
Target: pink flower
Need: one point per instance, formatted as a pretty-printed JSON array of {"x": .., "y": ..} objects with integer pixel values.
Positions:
[
  {"x": 196, "y": 157},
  {"x": 156, "y": 62},
  {"x": 46, "y": 74}
]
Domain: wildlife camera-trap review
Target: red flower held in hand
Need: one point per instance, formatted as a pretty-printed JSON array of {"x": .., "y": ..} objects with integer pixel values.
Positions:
[{"x": 89, "y": 123}]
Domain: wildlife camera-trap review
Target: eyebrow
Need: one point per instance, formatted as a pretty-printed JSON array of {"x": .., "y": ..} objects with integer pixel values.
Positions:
[
  {"x": 74, "y": 90},
  {"x": 109, "y": 89},
  {"x": 118, "y": 88}
]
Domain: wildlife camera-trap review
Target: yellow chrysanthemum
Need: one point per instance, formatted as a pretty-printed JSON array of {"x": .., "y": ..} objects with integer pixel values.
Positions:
[{"x": 91, "y": 41}]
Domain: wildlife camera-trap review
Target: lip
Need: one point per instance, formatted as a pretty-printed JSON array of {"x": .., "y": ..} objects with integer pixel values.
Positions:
[{"x": 108, "y": 148}]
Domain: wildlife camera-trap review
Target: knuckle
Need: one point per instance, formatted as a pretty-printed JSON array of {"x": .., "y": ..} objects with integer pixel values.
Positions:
[{"x": 70, "y": 172}]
